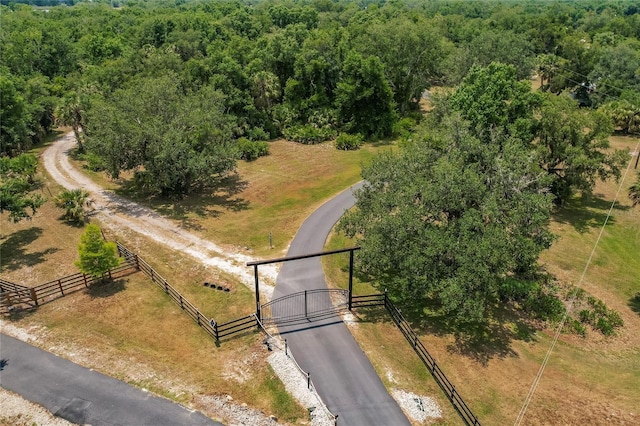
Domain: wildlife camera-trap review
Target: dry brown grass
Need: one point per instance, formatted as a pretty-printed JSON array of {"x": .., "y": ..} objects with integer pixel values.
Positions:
[
  {"x": 591, "y": 380},
  {"x": 132, "y": 331},
  {"x": 271, "y": 194}
]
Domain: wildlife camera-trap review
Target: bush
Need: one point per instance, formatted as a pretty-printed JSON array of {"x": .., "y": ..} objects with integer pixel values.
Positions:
[
  {"x": 577, "y": 327},
  {"x": 587, "y": 317},
  {"x": 545, "y": 306},
  {"x": 257, "y": 134},
  {"x": 93, "y": 162},
  {"x": 251, "y": 150},
  {"x": 515, "y": 289},
  {"x": 347, "y": 142},
  {"x": 600, "y": 317},
  {"x": 308, "y": 134},
  {"x": 404, "y": 126}
]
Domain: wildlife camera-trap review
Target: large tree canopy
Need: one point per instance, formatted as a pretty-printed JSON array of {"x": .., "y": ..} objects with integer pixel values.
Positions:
[
  {"x": 571, "y": 142},
  {"x": 16, "y": 184},
  {"x": 176, "y": 141},
  {"x": 450, "y": 220}
]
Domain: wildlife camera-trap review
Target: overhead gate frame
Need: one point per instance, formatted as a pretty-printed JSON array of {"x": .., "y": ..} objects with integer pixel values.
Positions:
[{"x": 306, "y": 256}]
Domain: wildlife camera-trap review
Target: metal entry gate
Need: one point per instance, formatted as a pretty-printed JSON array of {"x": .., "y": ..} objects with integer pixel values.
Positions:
[{"x": 304, "y": 305}]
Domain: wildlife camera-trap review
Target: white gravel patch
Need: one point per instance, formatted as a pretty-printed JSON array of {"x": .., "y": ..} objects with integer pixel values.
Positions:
[
  {"x": 30, "y": 335},
  {"x": 295, "y": 381},
  {"x": 416, "y": 407},
  {"x": 17, "y": 411},
  {"x": 117, "y": 212}
]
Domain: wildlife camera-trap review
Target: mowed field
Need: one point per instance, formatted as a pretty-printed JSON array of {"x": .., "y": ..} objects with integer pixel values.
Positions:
[
  {"x": 130, "y": 330},
  {"x": 593, "y": 380}
]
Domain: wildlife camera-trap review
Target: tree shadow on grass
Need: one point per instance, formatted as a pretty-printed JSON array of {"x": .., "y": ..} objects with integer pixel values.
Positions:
[
  {"x": 481, "y": 342},
  {"x": 213, "y": 204},
  {"x": 584, "y": 213},
  {"x": 634, "y": 303},
  {"x": 14, "y": 250},
  {"x": 106, "y": 288}
]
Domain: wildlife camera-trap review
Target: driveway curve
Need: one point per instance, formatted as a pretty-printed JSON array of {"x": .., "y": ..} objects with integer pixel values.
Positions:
[
  {"x": 119, "y": 213},
  {"x": 339, "y": 369},
  {"x": 84, "y": 396}
]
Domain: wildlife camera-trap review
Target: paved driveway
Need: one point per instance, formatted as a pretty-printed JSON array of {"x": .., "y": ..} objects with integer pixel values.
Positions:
[
  {"x": 83, "y": 396},
  {"x": 341, "y": 372}
]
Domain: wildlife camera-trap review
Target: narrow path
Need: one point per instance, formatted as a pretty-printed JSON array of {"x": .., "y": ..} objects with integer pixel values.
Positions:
[
  {"x": 341, "y": 372},
  {"x": 118, "y": 213},
  {"x": 84, "y": 396}
]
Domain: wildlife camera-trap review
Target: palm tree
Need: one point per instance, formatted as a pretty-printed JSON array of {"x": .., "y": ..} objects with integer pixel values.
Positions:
[
  {"x": 73, "y": 202},
  {"x": 71, "y": 113}
]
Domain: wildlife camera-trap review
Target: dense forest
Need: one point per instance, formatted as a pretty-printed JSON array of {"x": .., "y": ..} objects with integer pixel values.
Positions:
[
  {"x": 148, "y": 81},
  {"x": 177, "y": 92}
]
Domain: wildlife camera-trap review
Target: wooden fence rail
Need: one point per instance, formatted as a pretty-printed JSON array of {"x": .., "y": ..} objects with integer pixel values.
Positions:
[
  {"x": 29, "y": 297},
  {"x": 9, "y": 286},
  {"x": 441, "y": 379},
  {"x": 217, "y": 331}
]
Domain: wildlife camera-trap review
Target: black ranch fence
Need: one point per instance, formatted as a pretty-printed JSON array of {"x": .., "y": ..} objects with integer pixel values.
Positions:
[
  {"x": 215, "y": 330},
  {"x": 14, "y": 296},
  {"x": 447, "y": 387}
]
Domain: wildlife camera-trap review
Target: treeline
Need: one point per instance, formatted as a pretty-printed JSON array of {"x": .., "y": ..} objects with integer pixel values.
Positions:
[{"x": 167, "y": 89}]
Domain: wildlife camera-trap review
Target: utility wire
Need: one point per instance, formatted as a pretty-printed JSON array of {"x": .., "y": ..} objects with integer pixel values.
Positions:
[{"x": 538, "y": 377}]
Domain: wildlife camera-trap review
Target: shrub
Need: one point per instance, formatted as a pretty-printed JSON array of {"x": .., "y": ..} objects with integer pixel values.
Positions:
[
  {"x": 604, "y": 326},
  {"x": 545, "y": 306},
  {"x": 93, "y": 162},
  {"x": 251, "y": 150},
  {"x": 308, "y": 134},
  {"x": 600, "y": 317},
  {"x": 72, "y": 202},
  {"x": 404, "y": 126},
  {"x": 257, "y": 134},
  {"x": 587, "y": 316},
  {"x": 347, "y": 142},
  {"x": 516, "y": 289},
  {"x": 577, "y": 327}
]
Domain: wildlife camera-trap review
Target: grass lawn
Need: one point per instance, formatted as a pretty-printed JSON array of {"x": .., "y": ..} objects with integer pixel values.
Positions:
[
  {"x": 131, "y": 330},
  {"x": 592, "y": 380},
  {"x": 134, "y": 332}
]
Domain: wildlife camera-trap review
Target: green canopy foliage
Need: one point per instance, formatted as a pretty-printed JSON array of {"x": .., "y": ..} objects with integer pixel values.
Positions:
[
  {"x": 304, "y": 70},
  {"x": 176, "y": 142},
  {"x": 448, "y": 221},
  {"x": 16, "y": 185},
  {"x": 96, "y": 256},
  {"x": 571, "y": 143}
]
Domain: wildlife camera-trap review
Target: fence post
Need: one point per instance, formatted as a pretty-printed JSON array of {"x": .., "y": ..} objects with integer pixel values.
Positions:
[
  {"x": 166, "y": 288},
  {"x": 285, "y": 347},
  {"x": 198, "y": 317},
  {"x": 350, "y": 279},
  {"x": 137, "y": 262},
  {"x": 60, "y": 285},
  {"x": 85, "y": 280},
  {"x": 181, "y": 302},
  {"x": 215, "y": 331},
  {"x": 308, "y": 380},
  {"x": 305, "y": 303},
  {"x": 34, "y": 296}
]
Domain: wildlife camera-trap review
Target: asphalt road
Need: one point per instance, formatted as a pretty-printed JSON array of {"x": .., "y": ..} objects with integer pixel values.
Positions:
[
  {"x": 84, "y": 396},
  {"x": 341, "y": 372}
]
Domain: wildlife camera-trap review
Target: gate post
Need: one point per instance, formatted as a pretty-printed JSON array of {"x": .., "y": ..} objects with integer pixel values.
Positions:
[
  {"x": 255, "y": 274},
  {"x": 350, "y": 305}
]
